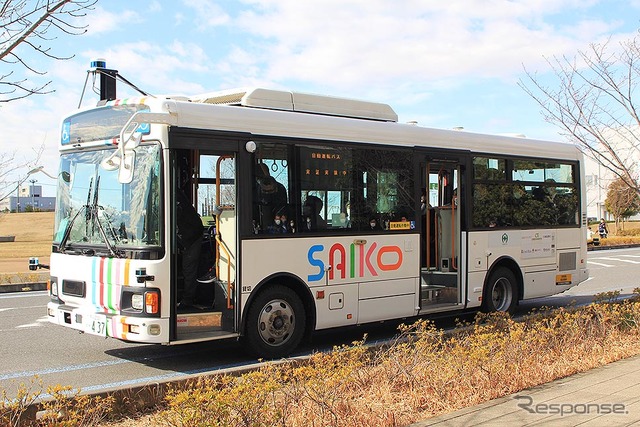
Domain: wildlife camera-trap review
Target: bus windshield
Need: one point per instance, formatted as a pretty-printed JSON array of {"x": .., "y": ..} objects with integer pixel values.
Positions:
[
  {"x": 94, "y": 210},
  {"x": 100, "y": 124}
]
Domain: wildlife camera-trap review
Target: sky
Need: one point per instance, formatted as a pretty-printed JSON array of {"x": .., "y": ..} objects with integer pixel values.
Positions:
[{"x": 444, "y": 64}]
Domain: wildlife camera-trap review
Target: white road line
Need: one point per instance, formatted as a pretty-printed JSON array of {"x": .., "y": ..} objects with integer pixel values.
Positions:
[
  {"x": 599, "y": 263},
  {"x": 29, "y": 325},
  {"x": 23, "y": 294},
  {"x": 621, "y": 260}
]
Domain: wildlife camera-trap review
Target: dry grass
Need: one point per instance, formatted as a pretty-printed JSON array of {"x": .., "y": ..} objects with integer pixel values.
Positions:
[
  {"x": 620, "y": 240},
  {"x": 33, "y": 231},
  {"x": 425, "y": 373}
]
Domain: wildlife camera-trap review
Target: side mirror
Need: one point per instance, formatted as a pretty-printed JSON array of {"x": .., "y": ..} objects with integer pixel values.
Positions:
[
  {"x": 133, "y": 140},
  {"x": 111, "y": 163},
  {"x": 125, "y": 174}
]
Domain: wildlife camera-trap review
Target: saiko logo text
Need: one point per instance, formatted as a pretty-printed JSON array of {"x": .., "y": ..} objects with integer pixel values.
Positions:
[{"x": 354, "y": 260}]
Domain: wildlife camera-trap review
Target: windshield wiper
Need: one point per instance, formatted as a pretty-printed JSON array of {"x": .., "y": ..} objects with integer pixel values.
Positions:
[
  {"x": 69, "y": 226},
  {"x": 96, "y": 221},
  {"x": 67, "y": 230},
  {"x": 91, "y": 219}
]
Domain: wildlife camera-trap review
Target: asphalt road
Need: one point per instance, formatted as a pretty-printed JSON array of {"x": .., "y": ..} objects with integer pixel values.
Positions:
[{"x": 33, "y": 349}]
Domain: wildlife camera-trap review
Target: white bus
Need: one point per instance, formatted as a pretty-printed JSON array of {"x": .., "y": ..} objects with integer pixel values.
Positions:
[{"x": 382, "y": 220}]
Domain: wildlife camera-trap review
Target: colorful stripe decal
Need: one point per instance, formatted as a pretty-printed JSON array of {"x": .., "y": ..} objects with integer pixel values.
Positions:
[
  {"x": 123, "y": 322},
  {"x": 116, "y": 327},
  {"x": 127, "y": 101},
  {"x": 109, "y": 275},
  {"x": 94, "y": 268},
  {"x": 127, "y": 263},
  {"x": 101, "y": 284},
  {"x": 109, "y": 296}
]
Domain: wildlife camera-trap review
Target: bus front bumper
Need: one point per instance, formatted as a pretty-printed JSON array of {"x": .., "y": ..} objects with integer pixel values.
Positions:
[{"x": 127, "y": 328}]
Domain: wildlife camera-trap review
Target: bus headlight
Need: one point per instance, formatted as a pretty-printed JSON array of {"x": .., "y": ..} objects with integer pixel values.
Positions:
[{"x": 137, "y": 301}]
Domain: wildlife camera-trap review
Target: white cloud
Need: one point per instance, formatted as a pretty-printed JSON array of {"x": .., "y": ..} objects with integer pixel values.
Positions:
[
  {"x": 154, "y": 6},
  {"x": 101, "y": 21},
  {"x": 208, "y": 13},
  {"x": 376, "y": 42}
]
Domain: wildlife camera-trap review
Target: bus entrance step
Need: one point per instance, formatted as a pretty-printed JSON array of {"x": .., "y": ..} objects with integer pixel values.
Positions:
[
  {"x": 199, "y": 322},
  {"x": 439, "y": 296},
  {"x": 438, "y": 278}
]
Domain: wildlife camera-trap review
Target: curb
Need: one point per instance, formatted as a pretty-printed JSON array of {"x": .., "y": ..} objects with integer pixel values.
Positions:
[
  {"x": 23, "y": 287},
  {"x": 604, "y": 248}
]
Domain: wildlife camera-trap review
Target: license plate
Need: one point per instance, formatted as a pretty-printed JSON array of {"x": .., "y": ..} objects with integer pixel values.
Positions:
[
  {"x": 96, "y": 324},
  {"x": 563, "y": 279}
]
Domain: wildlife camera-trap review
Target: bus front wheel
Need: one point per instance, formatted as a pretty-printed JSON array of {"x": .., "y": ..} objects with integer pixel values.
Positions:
[
  {"x": 275, "y": 322},
  {"x": 501, "y": 291}
]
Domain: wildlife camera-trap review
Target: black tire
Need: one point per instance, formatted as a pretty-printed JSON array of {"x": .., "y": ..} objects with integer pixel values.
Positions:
[
  {"x": 500, "y": 292},
  {"x": 275, "y": 323}
]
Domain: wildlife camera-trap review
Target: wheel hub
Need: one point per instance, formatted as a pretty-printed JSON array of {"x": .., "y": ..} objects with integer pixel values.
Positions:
[{"x": 276, "y": 322}]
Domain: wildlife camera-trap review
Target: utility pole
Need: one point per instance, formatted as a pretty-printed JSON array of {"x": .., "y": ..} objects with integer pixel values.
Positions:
[{"x": 32, "y": 181}]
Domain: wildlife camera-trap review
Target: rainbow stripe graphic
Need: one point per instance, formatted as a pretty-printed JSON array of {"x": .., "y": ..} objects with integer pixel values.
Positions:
[{"x": 108, "y": 276}]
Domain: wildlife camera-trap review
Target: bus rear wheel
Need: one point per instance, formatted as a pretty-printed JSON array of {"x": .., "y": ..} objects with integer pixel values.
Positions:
[
  {"x": 275, "y": 323},
  {"x": 501, "y": 291}
]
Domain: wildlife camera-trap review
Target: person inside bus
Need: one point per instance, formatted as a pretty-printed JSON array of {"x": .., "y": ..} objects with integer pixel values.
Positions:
[
  {"x": 189, "y": 237},
  {"x": 271, "y": 197},
  {"x": 423, "y": 202},
  {"x": 278, "y": 226},
  {"x": 286, "y": 225},
  {"x": 373, "y": 224},
  {"x": 311, "y": 209}
]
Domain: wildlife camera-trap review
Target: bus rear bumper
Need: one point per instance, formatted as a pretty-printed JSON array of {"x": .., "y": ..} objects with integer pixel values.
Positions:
[
  {"x": 126, "y": 328},
  {"x": 584, "y": 275}
]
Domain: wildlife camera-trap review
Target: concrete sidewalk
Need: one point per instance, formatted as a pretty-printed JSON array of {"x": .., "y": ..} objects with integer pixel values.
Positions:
[{"x": 605, "y": 396}]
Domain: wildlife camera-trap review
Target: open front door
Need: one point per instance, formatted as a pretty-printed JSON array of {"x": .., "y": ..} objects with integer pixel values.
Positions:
[
  {"x": 441, "y": 261},
  {"x": 209, "y": 179}
]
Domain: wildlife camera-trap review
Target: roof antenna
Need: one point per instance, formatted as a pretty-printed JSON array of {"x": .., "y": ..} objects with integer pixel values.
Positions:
[{"x": 108, "y": 79}]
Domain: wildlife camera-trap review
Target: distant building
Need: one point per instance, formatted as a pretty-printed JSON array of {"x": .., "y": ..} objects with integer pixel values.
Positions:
[
  {"x": 29, "y": 198},
  {"x": 598, "y": 178}
]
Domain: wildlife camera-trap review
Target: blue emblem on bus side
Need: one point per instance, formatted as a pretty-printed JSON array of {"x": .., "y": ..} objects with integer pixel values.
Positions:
[
  {"x": 66, "y": 131},
  {"x": 144, "y": 128}
]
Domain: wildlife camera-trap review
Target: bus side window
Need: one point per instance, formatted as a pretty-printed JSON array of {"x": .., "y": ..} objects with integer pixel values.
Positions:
[
  {"x": 270, "y": 194},
  {"x": 312, "y": 219}
]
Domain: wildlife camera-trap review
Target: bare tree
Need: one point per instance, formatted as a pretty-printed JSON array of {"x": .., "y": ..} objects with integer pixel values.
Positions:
[
  {"x": 593, "y": 102},
  {"x": 9, "y": 168},
  {"x": 32, "y": 24}
]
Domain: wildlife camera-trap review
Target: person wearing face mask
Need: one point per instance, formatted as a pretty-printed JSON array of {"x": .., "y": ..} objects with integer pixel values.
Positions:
[
  {"x": 285, "y": 224},
  {"x": 278, "y": 226},
  {"x": 373, "y": 225},
  {"x": 312, "y": 220}
]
